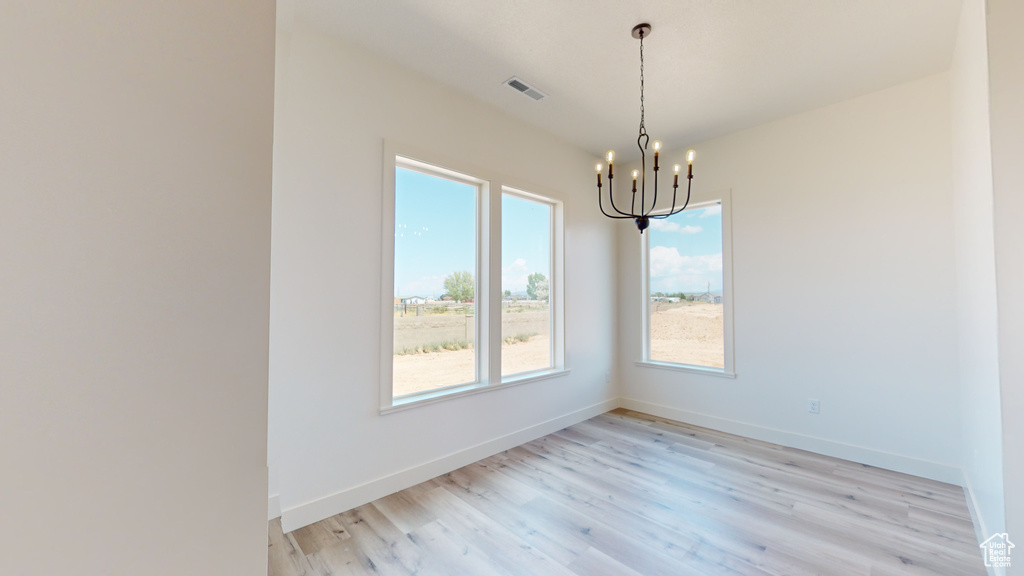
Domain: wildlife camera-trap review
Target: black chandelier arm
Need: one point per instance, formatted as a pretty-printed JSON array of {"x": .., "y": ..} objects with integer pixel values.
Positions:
[
  {"x": 623, "y": 217},
  {"x": 611, "y": 198},
  {"x": 673, "y": 211},
  {"x": 675, "y": 188}
]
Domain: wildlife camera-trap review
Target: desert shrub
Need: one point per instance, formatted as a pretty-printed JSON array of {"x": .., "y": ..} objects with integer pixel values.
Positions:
[
  {"x": 448, "y": 345},
  {"x": 518, "y": 338}
]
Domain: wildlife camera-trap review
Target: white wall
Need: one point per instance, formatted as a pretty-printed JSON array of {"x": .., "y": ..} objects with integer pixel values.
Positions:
[
  {"x": 1006, "y": 69},
  {"x": 335, "y": 107},
  {"x": 977, "y": 323},
  {"x": 135, "y": 180},
  {"x": 844, "y": 286}
]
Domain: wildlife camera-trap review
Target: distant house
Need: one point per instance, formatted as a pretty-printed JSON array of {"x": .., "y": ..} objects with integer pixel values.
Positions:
[{"x": 414, "y": 300}]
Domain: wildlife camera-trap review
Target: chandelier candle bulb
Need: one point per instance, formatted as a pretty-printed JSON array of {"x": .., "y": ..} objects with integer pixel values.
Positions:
[
  {"x": 657, "y": 149},
  {"x": 598, "y": 168},
  {"x": 675, "y": 179},
  {"x": 635, "y": 174}
]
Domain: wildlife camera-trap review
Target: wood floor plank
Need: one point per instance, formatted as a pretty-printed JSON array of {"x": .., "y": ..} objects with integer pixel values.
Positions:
[
  {"x": 285, "y": 557},
  {"x": 385, "y": 547},
  {"x": 593, "y": 562},
  {"x": 482, "y": 476},
  {"x": 567, "y": 524},
  {"x": 666, "y": 527},
  {"x": 506, "y": 549},
  {"x": 322, "y": 534},
  {"x": 508, "y": 515},
  {"x": 342, "y": 559},
  {"x": 631, "y": 494},
  {"x": 446, "y": 552},
  {"x": 404, "y": 511},
  {"x": 577, "y": 436},
  {"x": 937, "y": 524},
  {"x": 602, "y": 505}
]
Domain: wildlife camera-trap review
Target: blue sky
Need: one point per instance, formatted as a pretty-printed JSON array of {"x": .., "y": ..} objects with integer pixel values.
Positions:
[
  {"x": 686, "y": 251},
  {"x": 525, "y": 241},
  {"x": 435, "y": 235}
]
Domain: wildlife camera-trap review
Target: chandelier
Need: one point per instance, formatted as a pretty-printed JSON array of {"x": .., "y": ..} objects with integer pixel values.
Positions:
[{"x": 643, "y": 216}]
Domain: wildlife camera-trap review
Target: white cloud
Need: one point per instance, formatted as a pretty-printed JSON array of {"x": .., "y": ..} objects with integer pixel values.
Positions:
[
  {"x": 670, "y": 271},
  {"x": 712, "y": 211},
  {"x": 514, "y": 276},
  {"x": 666, "y": 226}
]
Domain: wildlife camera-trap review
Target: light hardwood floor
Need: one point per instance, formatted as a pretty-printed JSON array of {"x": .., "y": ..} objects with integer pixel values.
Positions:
[{"x": 626, "y": 493}]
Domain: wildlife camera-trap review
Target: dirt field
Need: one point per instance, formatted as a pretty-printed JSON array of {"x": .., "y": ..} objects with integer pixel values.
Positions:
[
  {"x": 418, "y": 372},
  {"x": 690, "y": 333}
]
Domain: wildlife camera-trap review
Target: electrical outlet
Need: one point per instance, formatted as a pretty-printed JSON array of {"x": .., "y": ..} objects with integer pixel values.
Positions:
[{"x": 813, "y": 405}]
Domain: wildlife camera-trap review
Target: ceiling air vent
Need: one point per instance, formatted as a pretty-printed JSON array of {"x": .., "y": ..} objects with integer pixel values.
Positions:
[{"x": 524, "y": 88}]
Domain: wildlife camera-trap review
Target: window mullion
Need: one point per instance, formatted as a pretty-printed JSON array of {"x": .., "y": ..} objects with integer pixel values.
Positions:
[{"x": 490, "y": 254}]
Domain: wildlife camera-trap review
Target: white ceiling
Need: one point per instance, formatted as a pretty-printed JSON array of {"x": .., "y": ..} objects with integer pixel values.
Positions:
[{"x": 712, "y": 66}]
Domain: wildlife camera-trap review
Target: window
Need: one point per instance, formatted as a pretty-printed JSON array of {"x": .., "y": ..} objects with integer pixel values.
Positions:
[
  {"x": 687, "y": 306},
  {"x": 527, "y": 226},
  {"x": 471, "y": 278},
  {"x": 435, "y": 280}
]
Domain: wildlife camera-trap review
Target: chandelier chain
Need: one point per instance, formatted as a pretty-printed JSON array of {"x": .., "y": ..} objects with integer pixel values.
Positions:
[{"x": 642, "y": 128}]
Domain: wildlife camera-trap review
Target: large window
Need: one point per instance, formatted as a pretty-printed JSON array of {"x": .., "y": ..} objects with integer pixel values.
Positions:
[
  {"x": 435, "y": 281},
  {"x": 687, "y": 297},
  {"x": 472, "y": 284},
  {"x": 527, "y": 226}
]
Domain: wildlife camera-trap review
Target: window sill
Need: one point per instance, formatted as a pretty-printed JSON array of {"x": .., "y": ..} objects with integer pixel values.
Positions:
[
  {"x": 686, "y": 368},
  {"x": 426, "y": 398}
]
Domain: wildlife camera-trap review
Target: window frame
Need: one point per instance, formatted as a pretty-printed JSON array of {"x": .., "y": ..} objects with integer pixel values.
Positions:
[
  {"x": 724, "y": 197},
  {"x": 555, "y": 283},
  {"x": 478, "y": 294},
  {"x": 487, "y": 282}
]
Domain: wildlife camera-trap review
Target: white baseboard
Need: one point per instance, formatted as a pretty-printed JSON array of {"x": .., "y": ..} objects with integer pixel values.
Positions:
[
  {"x": 981, "y": 532},
  {"x": 273, "y": 507},
  {"x": 310, "y": 512},
  {"x": 860, "y": 454}
]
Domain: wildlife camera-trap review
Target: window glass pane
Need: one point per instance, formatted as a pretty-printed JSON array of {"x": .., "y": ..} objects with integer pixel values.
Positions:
[
  {"x": 525, "y": 285},
  {"x": 685, "y": 267},
  {"x": 435, "y": 270}
]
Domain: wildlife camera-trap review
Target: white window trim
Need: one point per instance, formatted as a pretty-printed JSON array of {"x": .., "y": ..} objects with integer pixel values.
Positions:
[
  {"x": 556, "y": 291},
  {"x": 488, "y": 302},
  {"x": 729, "y": 370}
]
